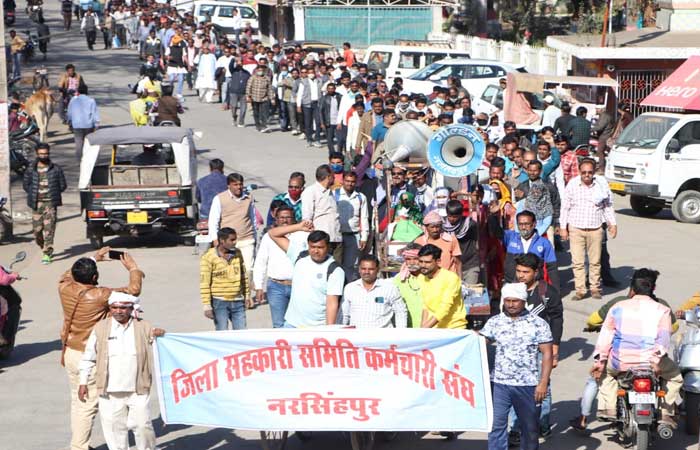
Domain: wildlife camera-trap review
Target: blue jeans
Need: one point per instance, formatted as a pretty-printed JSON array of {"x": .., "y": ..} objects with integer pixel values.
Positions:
[
  {"x": 546, "y": 405},
  {"x": 590, "y": 392},
  {"x": 228, "y": 310},
  {"x": 278, "y": 298},
  {"x": 180, "y": 77},
  {"x": 15, "y": 65},
  {"x": 522, "y": 398}
]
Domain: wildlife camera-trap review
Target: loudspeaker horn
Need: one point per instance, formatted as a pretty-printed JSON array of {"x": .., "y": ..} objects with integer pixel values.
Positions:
[
  {"x": 406, "y": 139},
  {"x": 456, "y": 150}
]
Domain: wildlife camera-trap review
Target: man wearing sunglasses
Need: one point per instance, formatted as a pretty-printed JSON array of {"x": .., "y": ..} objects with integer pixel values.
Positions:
[{"x": 586, "y": 206}]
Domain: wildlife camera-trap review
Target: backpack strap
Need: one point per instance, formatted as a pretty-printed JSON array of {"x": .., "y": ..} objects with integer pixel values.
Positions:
[
  {"x": 303, "y": 254},
  {"x": 331, "y": 268}
]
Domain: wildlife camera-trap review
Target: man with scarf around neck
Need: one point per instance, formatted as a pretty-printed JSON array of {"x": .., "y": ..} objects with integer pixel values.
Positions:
[
  {"x": 447, "y": 242},
  {"x": 525, "y": 240},
  {"x": 465, "y": 230}
]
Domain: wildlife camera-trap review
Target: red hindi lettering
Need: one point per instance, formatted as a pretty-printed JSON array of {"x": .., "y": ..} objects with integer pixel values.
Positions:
[
  {"x": 188, "y": 387},
  {"x": 205, "y": 378}
]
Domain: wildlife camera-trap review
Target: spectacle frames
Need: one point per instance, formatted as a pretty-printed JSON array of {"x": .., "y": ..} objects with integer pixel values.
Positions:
[{"x": 587, "y": 172}]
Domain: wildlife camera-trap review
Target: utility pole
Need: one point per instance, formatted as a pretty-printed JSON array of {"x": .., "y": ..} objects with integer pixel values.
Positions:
[{"x": 4, "y": 134}]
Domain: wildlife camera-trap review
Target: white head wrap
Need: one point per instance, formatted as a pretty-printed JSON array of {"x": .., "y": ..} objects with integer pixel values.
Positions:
[
  {"x": 514, "y": 290},
  {"x": 121, "y": 297}
]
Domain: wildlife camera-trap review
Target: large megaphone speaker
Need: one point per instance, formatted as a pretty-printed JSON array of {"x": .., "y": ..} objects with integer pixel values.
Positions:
[
  {"x": 407, "y": 139},
  {"x": 456, "y": 150}
]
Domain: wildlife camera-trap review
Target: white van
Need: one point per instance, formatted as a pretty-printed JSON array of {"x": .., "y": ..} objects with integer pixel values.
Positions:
[
  {"x": 221, "y": 14},
  {"x": 656, "y": 160},
  {"x": 403, "y": 60}
]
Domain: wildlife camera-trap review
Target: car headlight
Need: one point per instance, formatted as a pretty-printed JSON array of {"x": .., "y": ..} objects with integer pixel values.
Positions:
[{"x": 642, "y": 173}]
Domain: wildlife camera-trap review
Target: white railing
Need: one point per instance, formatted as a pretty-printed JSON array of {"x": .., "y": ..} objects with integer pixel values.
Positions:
[{"x": 542, "y": 60}]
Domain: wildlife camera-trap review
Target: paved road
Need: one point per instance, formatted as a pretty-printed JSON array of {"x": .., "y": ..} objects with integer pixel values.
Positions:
[{"x": 33, "y": 387}]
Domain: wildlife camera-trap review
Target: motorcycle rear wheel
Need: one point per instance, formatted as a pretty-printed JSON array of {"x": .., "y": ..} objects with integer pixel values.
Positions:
[{"x": 642, "y": 437}]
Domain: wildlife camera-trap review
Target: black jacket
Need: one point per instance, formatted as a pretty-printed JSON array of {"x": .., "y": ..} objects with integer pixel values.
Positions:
[
  {"x": 57, "y": 184},
  {"x": 326, "y": 107},
  {"x": 238, "y": 81},
  {"x": 545, "y": 301}
]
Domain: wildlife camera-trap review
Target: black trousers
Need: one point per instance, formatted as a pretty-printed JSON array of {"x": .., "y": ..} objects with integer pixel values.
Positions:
[
  {"x": 91, "y": 36},
  {"x": 261, "y": 111},
  {"x": 312, "y": 116},
  {"x": 330, "y": 135}
]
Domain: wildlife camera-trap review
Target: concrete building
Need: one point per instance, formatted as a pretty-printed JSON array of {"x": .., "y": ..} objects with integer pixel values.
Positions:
[{"x": 639, "y": 59}]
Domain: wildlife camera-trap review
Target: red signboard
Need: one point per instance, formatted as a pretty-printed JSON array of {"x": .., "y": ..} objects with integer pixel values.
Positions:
[{"x": 680, "y": 90}]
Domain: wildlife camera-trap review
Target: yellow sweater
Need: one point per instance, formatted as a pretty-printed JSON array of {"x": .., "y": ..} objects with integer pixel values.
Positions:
[
  {"x": 442, "y": 298},
  {"x": 225, "y": 280}
]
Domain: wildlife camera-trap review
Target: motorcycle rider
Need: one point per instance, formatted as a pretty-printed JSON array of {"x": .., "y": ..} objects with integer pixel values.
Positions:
[
  {"x": 593, "y": 323},
  {"x": 6, "y": 279},
  {"x": 68, "y": 84},
  {"x": 635, "y": 332}
]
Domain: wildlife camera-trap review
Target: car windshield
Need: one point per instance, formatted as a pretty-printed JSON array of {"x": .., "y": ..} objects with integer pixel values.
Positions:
[
  {"x": 646, "y": 131},
  {"x": 425, "y": 72}
]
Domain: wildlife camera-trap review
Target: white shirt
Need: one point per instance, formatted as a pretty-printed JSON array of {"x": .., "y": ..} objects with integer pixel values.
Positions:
[
  {"x": 237, "y": 22},
  {"x": 373, "y": 308},
  {"x": 271, "y": 262},
  {"x": 550, "y": 114},
  {"x": 224, "y": 61},
  {"x": 353, "y": 131},
  {"x": 526, "y": 243},
  {"x": 346, "y": 103},
  {"x": 313, "y": 83},
  {"x": 121, "y": 348},
  {"x": 353, "y": 212}
]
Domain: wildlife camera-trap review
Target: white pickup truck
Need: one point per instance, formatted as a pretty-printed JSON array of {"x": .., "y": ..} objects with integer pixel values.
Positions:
[{"x": 656, "y": 160}]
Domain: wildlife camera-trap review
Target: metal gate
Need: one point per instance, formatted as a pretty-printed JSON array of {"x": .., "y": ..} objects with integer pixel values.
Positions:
[
  {"x": 635, "y": 85},
  {"x": 363, "y": 26}
]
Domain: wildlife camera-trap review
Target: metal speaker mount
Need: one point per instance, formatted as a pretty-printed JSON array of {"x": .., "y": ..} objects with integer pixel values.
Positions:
[
  {"x": 406, "y": 139},
  {"x": 456, "y": 150}
]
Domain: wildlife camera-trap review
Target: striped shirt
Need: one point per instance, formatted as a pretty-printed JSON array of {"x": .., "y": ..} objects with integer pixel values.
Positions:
[
  {"x": 374, "y": 308},
  {"x": 585, "y": 206},
  {"x": 635, "y": 331}
]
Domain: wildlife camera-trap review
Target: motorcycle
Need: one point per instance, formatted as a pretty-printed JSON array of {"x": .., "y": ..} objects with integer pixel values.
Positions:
[
  {"x": 40, "y": 79},
  {"x": 688, "y": 358},
  {"x": 36, "y": 13},
  {"x": 9, "y": 17},
  {"x": 5, "y": 221},
  {"x": 32, "y": 43},
  {"x": 18, "y": 163},
  {"x": 9, "y": 322},
  {"x": 637, "y": 408}
]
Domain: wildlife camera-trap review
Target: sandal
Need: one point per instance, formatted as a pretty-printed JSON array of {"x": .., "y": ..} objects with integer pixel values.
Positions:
[{"x": 576, "y": 424}]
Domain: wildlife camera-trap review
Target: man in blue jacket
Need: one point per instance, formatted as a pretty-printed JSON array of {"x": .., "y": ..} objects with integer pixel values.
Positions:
[{"x": 526, "y": 240}]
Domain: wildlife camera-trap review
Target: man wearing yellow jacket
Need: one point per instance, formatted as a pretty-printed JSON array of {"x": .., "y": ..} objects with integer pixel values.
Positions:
[
  {"x": 223, "y": 283},
  {"x": 692, "y": 303}
]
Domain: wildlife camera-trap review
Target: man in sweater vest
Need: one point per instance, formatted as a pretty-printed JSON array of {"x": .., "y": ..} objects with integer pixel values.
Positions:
[
  {"x": 223, "y": 282},
  {"x": 235, "y": 208},
  {"x": 119, "y": 351}
]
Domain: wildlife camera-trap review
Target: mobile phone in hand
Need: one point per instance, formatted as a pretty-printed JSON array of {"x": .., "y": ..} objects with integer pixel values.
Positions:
[{"x": 115, "y": 254}]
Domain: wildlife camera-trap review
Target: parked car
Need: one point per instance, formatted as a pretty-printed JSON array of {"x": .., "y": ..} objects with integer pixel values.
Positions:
[
  {"x": 476, "y": 75},
  {"x": 404, "y": 60},
  {"x": 221, "y": 14}
]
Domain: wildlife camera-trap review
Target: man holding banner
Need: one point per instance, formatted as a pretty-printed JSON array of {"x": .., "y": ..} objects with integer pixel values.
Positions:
[
  {"x": 120, "y": 353},
  {"x": 516, "y": 379}
]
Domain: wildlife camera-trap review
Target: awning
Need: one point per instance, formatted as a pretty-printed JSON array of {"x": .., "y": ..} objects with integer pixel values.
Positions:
[{"x": 680, "y": 90}]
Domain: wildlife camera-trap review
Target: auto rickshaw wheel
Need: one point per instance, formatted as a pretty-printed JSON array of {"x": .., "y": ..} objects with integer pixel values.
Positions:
[{"x": 97, "y": 241}]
